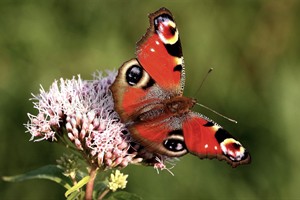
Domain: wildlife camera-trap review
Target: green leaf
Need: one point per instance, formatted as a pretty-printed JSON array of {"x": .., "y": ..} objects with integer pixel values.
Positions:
[
  {"x": 100, "y": 187},
  {"x": 79, "y": 185},
  {"x": 49, "y": 172},
  {"x": 76, "y": 195},
  {"x": 122, "y": 195}
]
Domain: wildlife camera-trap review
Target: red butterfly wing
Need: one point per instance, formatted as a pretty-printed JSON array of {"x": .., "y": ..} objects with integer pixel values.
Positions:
[
  {"x": 159, "y": 52},
  {"x": 132, "y": 90},
  {"x": 156, "y": 74},
  {"x": 162, "y": 135},
  {"x": 206, "y": 139}
]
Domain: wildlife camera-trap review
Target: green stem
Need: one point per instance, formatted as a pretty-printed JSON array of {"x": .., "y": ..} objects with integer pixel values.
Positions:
[{"x": 90, "y": 185}]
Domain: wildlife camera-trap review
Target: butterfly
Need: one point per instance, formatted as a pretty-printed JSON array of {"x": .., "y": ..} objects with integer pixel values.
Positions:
[{"x": 148, "y": 96}]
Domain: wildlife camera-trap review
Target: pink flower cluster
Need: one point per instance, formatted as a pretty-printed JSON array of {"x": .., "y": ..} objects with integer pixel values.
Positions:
[{"x": 83, "y": 113}]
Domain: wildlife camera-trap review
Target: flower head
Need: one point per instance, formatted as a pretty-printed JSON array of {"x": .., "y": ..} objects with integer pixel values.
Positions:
[
  {"x": 82, "y": 112},
  {"x": 117, "y": 180}
]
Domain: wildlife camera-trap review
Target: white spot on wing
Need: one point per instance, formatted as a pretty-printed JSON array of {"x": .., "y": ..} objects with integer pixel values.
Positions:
[
  {"x": 152, "y": 50},
  {"x": 206, "y": 146},
  {"x": 157, "y": 42}
]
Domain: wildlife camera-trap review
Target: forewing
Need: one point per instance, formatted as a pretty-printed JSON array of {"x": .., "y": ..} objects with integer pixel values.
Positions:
[{"x": 159, "y": 52}]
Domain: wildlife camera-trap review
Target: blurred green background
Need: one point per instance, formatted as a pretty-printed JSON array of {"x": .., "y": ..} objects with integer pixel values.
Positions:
[{"x": 252, "y": 45}]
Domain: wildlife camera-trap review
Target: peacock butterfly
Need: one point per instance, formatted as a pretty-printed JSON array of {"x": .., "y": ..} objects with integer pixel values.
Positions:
[{"x": 148, "y": 97}]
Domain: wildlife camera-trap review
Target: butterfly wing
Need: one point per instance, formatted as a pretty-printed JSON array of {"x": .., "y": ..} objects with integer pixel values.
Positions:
[
  {"x": 131, "y": 90},
  {"x": 159, "y": 52},
  {"x": 163, "y": 135},
  {"x": 206, "y": 139},
  {"x": 156, "y": 74},
  {"x": 194, "y": 133}
]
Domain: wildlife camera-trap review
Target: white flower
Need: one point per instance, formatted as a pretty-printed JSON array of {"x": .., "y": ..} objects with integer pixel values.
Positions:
[
  {"x": 83, "y": 112},
  {"x": 117, "y": 180}
]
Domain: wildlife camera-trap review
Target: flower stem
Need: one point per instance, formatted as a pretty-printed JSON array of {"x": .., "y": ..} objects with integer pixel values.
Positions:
[
  {"x": 103, "y": 194},
  {"x": 90, "y": 184}
]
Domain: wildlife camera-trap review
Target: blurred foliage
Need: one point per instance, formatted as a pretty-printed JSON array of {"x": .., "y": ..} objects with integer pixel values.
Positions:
[{"x": 253, "y": 46}]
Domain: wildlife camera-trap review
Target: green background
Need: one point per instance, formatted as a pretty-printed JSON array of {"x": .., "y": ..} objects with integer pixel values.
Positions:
[{"x": 253, "y": 47}]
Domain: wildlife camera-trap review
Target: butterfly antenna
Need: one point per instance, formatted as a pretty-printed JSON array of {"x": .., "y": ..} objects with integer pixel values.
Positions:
[
  {"x": 203, "y": 80},
  {"x": 205, "y": 77},
  {"x": 229, "y": 119},
  {"x": 199, "y": 104}
]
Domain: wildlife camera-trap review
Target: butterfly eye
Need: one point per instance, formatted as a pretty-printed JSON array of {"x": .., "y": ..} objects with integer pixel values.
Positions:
[
  {"x": 174, "y": 145},
  {"x": 233, "y": 149},
  {"x": 165, "y": 27},
  {"x": 134, "y": 75}
]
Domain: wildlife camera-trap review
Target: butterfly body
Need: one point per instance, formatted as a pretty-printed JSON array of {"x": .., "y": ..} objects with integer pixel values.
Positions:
[{"x": 148, "y": 95}]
